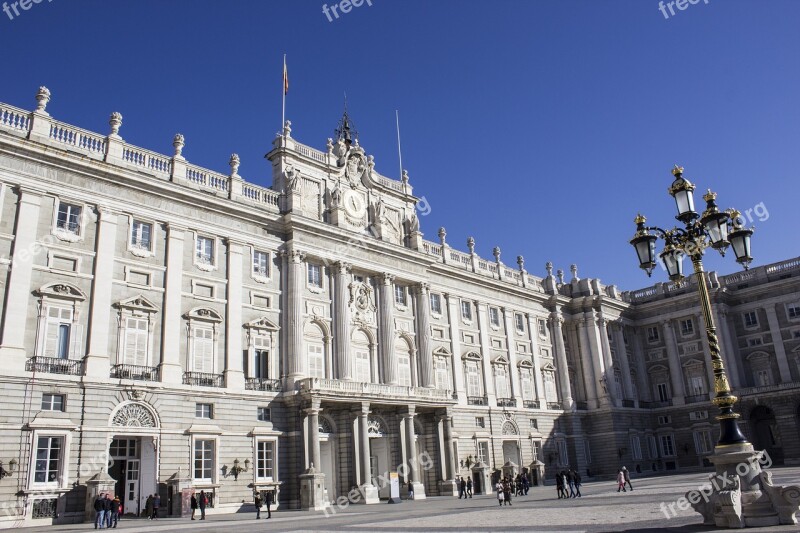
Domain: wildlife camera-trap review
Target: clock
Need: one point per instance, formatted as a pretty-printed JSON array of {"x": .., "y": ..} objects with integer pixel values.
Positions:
[{"x": 354, "y": 204}]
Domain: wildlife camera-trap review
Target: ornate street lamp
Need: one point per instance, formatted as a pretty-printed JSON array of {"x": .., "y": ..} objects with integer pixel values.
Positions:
[{"x": 712, "y": 229}]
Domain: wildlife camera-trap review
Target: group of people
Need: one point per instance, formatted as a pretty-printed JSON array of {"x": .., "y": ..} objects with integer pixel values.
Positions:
[
  {"x": 623, "y": 478},
  {"x": 464, "y": 488},
  {"x": 199, "y": 501},
  {"x": 508, "y": 487},
  {"x": 259, "y": 502},
  {"x": 152, "y": 505},
  {"x": 107, "y": 511},
  {"x": 568, "y": 484}
]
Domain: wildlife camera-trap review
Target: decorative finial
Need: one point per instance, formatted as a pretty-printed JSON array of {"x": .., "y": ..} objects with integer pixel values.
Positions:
[
  {"x": 677, "y": 171},
  {"x": 178, "y": 143},
  {"x": 42, "y": 98},
  {"x": 442, "y": 234},
  {"x": 521, "y": 262},
  {"x": 640, "y": 219},
  {"x": 709, "y": 196},
  {"x": 115, "y": 121},
  {"x": 496, "y": 253},
  {"x": 234, "y": 163},
  {"x": 471, "y": 245},
  {"x": 574, "y": 269},
  {"x": 549, "y": 267},
  {"x": 404, "y": 177},
  {"x": 287, "y": 129},
  {"x": 329, "y": 145},
  {"x": 560, "y": 274}
]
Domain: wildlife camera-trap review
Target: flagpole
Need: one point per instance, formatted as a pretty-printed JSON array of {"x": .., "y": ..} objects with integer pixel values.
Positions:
[
  {"x": 283, "y": 96},
  {"x": 399, "y": 152}
]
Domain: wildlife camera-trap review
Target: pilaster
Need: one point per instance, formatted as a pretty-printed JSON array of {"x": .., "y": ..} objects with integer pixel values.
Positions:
[
  {"x": 171, "y": 370},
  {"x": 424, "y": 336},
  {"x": 675, "y": 369},
  {"x": 234, "y": 371},
  {"x": 297, "y": 360},
  {"x": 97, "y": 363},
  {"x": 387, "y": 333},
  {"x": 561, "y": 357},
  {"x": 453, "y": 317},
  {"x": 777, "y": 343},
  {"x": 341, "y": 321}
]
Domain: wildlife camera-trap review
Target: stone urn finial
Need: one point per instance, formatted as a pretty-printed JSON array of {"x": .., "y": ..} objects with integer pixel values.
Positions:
[
  {"x": 560, "y": 275},
  {"x": 178, "y": 143},
  {"x": 234, "y": 163},
  {"x": 549, "y": 267},
  {"x": 496, "y": 253},
  {"x": 521, "y": 262},
  {"x": 442, "y": 234},
  {"x": 42, "y": 98},
  {"x": 574, "y": 269},
  {"x": 115, "y": 121},
  {"x": 471, "y": 245}
]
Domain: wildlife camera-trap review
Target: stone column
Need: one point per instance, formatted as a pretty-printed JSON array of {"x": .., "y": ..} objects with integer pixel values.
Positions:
[
  {"x": 608, "y": 361},
  {"x": 312, "y": 481},
  {"x": 624, "y": 364},
  {"x": 486, "y": 349},
  {"x": 18, "y": 290},
  {"x": 386, "y": 335},
  {"x": 448, "y": 485},
  {"x": 641, "y": 367},
  {"x": 730, "y": 355},
  {"x": 584, "y": 366},
  {"x": 513, "y": 374},
  {"x": 234, "y": 371},
  {"x": 369, "y": 492},
  {"x": 453, "y": 317},
  {"x": 411, "y": 456},
  {"x": 777, "y": 343},
  {"x": 341, "y": 321},
  {"x": 675, "y": 369},
  {"x": 426, "y": 377},
  {"x": 171, "y": 369},
  {"x": 591, "y": 345},
  {"x": 97, "y": 362},
  {"x": 538, "y": 393},
  {"x": 313, "y": 437},
  {"x": 561, "y": 357},
  {"x": 297, "y": 359}
]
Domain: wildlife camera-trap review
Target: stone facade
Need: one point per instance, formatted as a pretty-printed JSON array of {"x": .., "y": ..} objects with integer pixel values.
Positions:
[{"x": 179, "y": 329}]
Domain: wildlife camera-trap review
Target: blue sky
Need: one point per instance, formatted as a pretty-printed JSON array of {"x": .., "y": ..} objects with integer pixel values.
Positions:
[{"x": 540, "y": 126}]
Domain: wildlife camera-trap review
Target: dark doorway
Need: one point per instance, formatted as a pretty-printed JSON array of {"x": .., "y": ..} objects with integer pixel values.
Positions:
[
  {"x": 765, "y": 433},
  {"x": 117, "y": 471}
]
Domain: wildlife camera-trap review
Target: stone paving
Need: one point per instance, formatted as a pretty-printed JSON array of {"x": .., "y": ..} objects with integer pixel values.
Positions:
[{"x": 601, "y": 509}]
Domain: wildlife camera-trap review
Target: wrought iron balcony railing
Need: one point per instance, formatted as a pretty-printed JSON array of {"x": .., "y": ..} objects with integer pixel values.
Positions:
[
  {"x": 203, "y": 379},
  {"x": 697, "y": 398},
  {"x": 54, "y": 365},
  {"x": 506, "y": 402},
  {"x": 529, "y": 404},
  {"x": 139, "y": 373},
  {"x": 628, "y": 403},
  {"x": 476, "y": 400},
  {"x": 555, "y": 406},
  {"x": 263, "y": 384}
]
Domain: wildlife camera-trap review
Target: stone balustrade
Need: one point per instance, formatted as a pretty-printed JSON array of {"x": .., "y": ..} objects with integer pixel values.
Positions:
[{"x": 378, "y": 391}]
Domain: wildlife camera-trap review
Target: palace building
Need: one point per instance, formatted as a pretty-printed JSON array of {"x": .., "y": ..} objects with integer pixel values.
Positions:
[{"x": 168, "y": 328}]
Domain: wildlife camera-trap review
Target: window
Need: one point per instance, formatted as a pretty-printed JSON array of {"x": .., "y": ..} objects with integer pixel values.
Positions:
[
  {"x": 404, "y": 369},
  {"x": 261, "y": 347},
  {"x": 442, "y": 373},
  {"x": 667, "y": 446},
  {"x": 763, "y": 378},
  {"x": 702, "y": 442},
  {"x": 400, "y": 295},
  {"x": 473, "y": 379},
  {"x": 69, "y": 218},
  {"x": 636, "y": 448},
  {"x": 549, "y": 386},
  {"x": 142, "y": 236},
  {"x": 480, "y": 422},
  {"x": 316, "y": 361},
  {"x": 750, "y": 319},
  {"x": 265, "y": 460},
  {"x": 483, "y": 452},
  {"x": 494, "y": 317},
  {"x": 314, "y": 275},
  {"x": 664, "y": 419},
  {"x": 652, "y": 334},
  {"x": 519, "y": 320},
  {"x": 618, "y": 387},
  {"x": 203, "y": 410},
  {"x": 501, "y": 382},
  {"x": 652, "y": 448},
  {"x": 436, "y": 304},
  {"x": 260, "y": 264},
  {"x": 663, "y": 392},
  {"x": 264, "y": 414},
  {"x": 48, "y": 460},
  {"x": 136, "y": 340},
  {"x": 542, "y": 325},
  {"x": 62, "y": 337},
  {"x": 52, "y": 402},
  {"x": 687, "y": 327},
  {"x": 755, "y": 341},
  {"x": 534, "y": 423},
  {"x": 203, "y": 349},
  {"x": 204, "y": 251},
  {"x": 526, "y": 383},
  {"x": 203, "y": 460},
  {"x": 793, "y": 310},
  {"x": 697, "y": 385},
  {"x": 561, "y": 447},
  {"x": 362, "y": 366},
  {"x": 537, "y": 450},
  {"x": 466, "y": 310}
]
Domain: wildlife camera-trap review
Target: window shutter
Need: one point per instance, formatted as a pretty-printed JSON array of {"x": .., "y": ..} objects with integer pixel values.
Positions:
[
  {"x": 51, "y": 338},
  {"x": 76, "y": 341},
  {"x": 203, "y": 350}
]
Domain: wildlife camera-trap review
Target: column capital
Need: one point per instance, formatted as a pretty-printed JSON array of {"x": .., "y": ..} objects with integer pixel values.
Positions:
[
  {"x": 364, "y": 408},
  {"x": 233, "y": 241},
  {"x": 387, "y": 279},
  {"x": 296, "y": 256},
  {"x": 312, "y": 411},
  {"x": 342, "y": 267},
  {"x": 173, "y": 227},
  {"x": 423, "y": 288}
]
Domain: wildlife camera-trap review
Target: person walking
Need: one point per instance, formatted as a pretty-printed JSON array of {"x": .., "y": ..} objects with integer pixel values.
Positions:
[
  {"x": 257, "y": 502},
  {"x": 469, "y": 487},
  {"x": 116, "y": 509},
  {"x": 148, "y": 507},
  {"x": 156, "y": 505},
  {"x": 462, "y": 489},
  {"x": 507, "y": 492},
  {"x": 100, "y": 512},
  {"x": 108, "y": 506},
  {"x": 410, "y": 489},
  {"x": 559, "y": 486},
  {"x": 193, "y": 505},
  {"x": 499, "y": 489},
  {"x": 202, "y": 504},
  {"x": 577, "y": 477},
  {"x": 570, "y": 483},
  {"x": 627, "y": 476},
  {"x": 525, "y": 485},
  {"x": 621, "y": 481},
  {"x": 270, "y": 500}
]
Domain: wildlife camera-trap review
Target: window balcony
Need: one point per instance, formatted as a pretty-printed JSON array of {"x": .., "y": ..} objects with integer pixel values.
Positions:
[
  {"x": 529, "y": 404},
  {"x": 697, "y": 398},
  {"x": 53, "y": 365},
  {"x": 263, "y": 384},
  {"x": 628, "y": 403},
  {"x": 506, "y": 402},
  {"x": 555, "y": 406},
  {"x": 655, "y": 405},
  {"x": 356, "y": 391},
  {"x": 203, "y": 379},
  {"x": 139, "y": 373},
  {"x": 476, "y": 400}
]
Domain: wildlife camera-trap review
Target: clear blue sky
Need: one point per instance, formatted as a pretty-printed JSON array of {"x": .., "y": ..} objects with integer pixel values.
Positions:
[{"x": 541, "y": 126}]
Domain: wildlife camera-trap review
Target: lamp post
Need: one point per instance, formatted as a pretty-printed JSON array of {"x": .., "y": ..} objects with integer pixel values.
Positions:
[
  {"x": 746, "y": 496},
  {"x": 713, "y": 229}
]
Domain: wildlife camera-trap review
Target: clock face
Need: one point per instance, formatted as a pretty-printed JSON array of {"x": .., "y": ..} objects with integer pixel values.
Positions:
[{"x": 354, "y": 204}]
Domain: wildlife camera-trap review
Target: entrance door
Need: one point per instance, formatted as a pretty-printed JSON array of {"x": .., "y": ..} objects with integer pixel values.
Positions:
[
  {"x": 379, "y": 460},
  {"x": 131, "y": 497},
  {"x": 326, "y": 457}
]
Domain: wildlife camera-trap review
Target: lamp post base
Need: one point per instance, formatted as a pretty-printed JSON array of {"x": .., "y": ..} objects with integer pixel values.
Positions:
[{"x": 741, "y": 494}]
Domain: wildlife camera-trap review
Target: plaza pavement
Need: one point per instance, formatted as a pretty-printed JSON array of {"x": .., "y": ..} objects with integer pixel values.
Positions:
[{"x": 601, "y": 509}]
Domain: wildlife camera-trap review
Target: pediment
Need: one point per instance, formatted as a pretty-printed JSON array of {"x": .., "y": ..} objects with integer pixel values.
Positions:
[
  {"x": 263, "y": 323},
  {"x": 548, "y": 367},
  {"x": 525, "y": 363},
  {"x": 204, "y": 313},
  {"x": 442, "y": 351},
  {"x": 138, "y": 303},
  {"x": 64, "y": 291},
  {"x": 500, "y": 360},
  {"x": 472, "y": 356}
]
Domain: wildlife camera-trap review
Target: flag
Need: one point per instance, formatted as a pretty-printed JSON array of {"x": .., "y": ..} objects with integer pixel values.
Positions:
[{"x": 285, "y": 78}]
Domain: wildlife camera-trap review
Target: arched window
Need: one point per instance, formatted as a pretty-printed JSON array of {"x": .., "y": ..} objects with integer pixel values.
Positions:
[
  {"x": 403, "y": 352},
  {"x": 362, "y": 368},
  {"x": 60, "y": 333},
  {"x": 315, "y": 350}
]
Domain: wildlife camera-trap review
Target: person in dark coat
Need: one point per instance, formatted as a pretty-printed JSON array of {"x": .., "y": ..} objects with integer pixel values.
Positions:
[
  {"x": 116, "y": 509},
  {"x": 462, "y": 489},
  {"x": 627, "y": 476},
  {"x": 202, "y": 504},
  {"x": 507, "y": 492},
  {"x": 108, "y": 507},
  {"x": 193, "y": 505},
  {"x": 559, "y": 485},
  {"x": 100, "y": 512},
  {"x": 469, "y": 487},
  {"x": 156, "y": 505},
  {"x": 148, "y": 507},
  {"x": 270, "y": 501},
  {"x": 577, "y": 477},
  {"x": 257, "y": 502},
  {"x": 570, "y": 484}
]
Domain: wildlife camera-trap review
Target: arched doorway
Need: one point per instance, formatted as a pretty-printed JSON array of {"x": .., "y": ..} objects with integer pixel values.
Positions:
[
  {"x": 327, "y": 449},
  {"x": 765, "y": 433}
]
